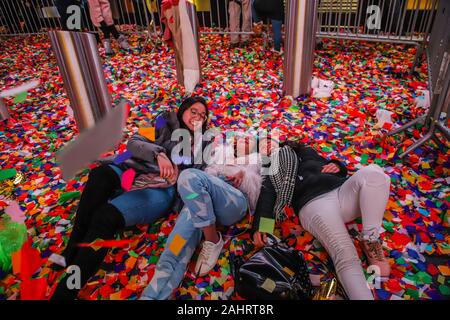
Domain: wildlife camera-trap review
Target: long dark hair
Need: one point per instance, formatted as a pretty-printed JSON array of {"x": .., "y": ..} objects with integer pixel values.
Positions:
[
  {"x": 295, "y": 145},
  {"x": 186, "y": 104}
]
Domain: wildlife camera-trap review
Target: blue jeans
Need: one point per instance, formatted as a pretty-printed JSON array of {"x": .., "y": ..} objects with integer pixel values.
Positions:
[
  {"x": 217, "y": 201},
  {"x": 143, "y": 206},
  {"x": 276, "y": 28}
]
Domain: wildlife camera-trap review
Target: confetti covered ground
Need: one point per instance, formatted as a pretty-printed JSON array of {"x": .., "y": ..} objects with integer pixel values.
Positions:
[{"x": 243, "y": 88}]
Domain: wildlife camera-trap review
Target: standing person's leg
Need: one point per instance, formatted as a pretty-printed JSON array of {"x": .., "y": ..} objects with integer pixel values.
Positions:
[
  {"x": 102, "y": 184},
  {"x": 366, "y": 194},
  {"x": 234, "y": 10},
  {"x": 256, "y": 18},
  {"x": 277, "y": 37},
  {"x": 172, "y": 264},
  {"x": 247, "y": 19},
  {"x": 210, "y": 199},
  {"x": 108, "y": 18},
  {"x": 322, "y": 217}
]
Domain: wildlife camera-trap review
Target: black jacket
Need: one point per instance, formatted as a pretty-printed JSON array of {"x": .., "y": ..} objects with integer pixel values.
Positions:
[
  {"x": 271, "y": 9},
  {"x": 310, "y": 183}
]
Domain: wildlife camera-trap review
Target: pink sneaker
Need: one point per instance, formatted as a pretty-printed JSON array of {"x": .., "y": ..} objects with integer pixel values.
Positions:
[{"x": 375, "y": 254}]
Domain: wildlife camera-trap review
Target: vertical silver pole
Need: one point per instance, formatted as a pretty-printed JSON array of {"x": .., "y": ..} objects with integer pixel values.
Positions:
[
  {"x": 300, "y": 42},
  {"x": 84, "y": 81},
  {"x": 192, "y": 12}
]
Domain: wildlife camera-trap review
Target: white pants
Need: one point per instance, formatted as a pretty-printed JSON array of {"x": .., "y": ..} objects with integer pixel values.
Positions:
[{"x": 364, "y": 194}]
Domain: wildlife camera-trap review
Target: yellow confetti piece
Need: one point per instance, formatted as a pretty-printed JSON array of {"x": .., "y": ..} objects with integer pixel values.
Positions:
[
  {"x": 177, "y": 244},
  {"x": 266, "y": 225},
  {"x": 288, "y": 271},
  {"x": 116, "y": 296},
  {"x": 426, "y": 165},
  {"x": 269, "y": 285},
  {"x": 149, "y": 133}
]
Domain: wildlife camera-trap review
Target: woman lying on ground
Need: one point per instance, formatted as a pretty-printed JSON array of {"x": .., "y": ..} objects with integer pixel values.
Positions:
[
  {"x": 105, "y": 208},
  {"x": 219, "y": 195},
  {"x": 326, "y": 199}
]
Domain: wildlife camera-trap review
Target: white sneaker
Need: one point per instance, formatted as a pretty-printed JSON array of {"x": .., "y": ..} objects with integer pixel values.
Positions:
[
  {"x": 123, "y": 43},
  {"x": 207, "y": 258},
  {"x": 107, "y": 46}
]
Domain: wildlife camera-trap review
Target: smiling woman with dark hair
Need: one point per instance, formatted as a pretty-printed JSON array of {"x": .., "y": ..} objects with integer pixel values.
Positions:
[
  {"x": 220, "y": 195},
  {"x": 325, "y": 200},
  {"x": 105, "y": 207}
]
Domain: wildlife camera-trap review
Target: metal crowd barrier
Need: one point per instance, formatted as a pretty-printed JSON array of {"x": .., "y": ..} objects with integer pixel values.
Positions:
[
  {"x": 25, "y": 17},
  {"x": 401, "y": 21}
]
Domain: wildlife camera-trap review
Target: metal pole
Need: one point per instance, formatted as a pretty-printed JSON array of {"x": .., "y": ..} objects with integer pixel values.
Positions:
[
  {"x": 300, "y": 42},
  {"x": 84, "y": 81}
]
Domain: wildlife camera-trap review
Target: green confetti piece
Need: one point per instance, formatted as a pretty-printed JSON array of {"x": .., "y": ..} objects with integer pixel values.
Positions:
[
  {"x": 20, "y": 97},
  {"x": 7, "y": 174},
  {"x": 423, "y": 277},
  {"x": 67, "y": 196},
  {"x": 378, "y": 161},
  {"x": 192, "y": 196},
  {"x": 445, "y": 290},
  {"x": 153, "y": 260},
  {"x": 133, "y": 254},
  {"x": 388, "y": 225},
  {"x": 412, "y": 293},
  {"x": 266, "y": 225},
  {"x": 326, "y": 149},
  {"x": 364, "y": 158}
]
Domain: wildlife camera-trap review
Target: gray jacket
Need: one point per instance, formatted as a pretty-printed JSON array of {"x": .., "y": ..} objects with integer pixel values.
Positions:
[{"x": 144, "y": 151}]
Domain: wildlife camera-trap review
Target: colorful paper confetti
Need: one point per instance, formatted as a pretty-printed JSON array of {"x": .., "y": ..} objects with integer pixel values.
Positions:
[{"x": 243, "y": 90}]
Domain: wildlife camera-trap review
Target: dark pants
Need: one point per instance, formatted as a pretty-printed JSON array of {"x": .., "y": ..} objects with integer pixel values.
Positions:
[{"x": 95, "y": 219}]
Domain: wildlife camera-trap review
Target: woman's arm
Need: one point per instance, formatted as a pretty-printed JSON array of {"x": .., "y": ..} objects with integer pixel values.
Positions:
[
  {"x": 342, "y": 168},
  {"x": 141, "y": 148},
  {"x": 311, "y": 154}
]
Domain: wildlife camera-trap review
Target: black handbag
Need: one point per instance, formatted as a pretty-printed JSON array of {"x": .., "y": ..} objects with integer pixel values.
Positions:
[{"x": 275, "y": 272}]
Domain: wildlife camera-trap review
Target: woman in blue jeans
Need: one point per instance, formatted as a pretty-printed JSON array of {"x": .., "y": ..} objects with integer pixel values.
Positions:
[
  {"x": 219, "y": 195},
  {"x": 105, "y": 208}
]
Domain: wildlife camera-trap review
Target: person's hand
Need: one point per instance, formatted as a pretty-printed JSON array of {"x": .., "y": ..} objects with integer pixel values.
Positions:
[
  {"x": 165, "y": 166},
  {"x": 330, "y": 168},
  {"x": 236, "y": 180},
  {"x": 259, "y": 239}
]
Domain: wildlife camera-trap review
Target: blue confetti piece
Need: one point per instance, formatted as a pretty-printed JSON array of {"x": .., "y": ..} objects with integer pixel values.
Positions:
[
  {"x": 203, "y": 284},
  {"x": 395, "y": 254},
  {"x": 439, "y": 236},
  {"x": 383, "y": 295},
  {"x": 413, "y": 254},
  {"x": 122, "y": 157},
  {"x": 424, "y": 212},
  {"x": 160, "y": 122}
]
